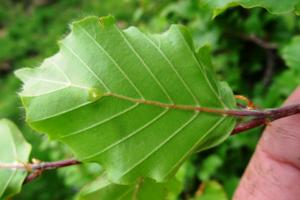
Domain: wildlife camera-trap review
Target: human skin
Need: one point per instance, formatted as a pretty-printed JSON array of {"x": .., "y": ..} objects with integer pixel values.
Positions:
[{"x": 274, "y": 169}]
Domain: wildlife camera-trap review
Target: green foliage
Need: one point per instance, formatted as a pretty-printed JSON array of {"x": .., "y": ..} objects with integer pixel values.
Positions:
[
  {"x": 290, "y": 54},
  {"x": 212, "y": 190},
  {"x": 91, "y": 78},
  {"x": 285, "y": 83},
  {"x": 146, "y": 189},
  {"x": 209, "y": 167},
  {"x": 272, "y": 6},
  {"x": 13, "y": 149}
]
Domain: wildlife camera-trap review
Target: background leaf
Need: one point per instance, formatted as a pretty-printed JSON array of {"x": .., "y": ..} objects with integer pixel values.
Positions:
[
  {"x": 13, "y": 149},
  {"x": 273, "y": 6},
  {"x": 212, "y": 190},
  {"x": 96, "y": 96},
  {"x": 290, "y": 53},
  {"x": 288, "y": 80},
  {"x": 144, "y": 189}
]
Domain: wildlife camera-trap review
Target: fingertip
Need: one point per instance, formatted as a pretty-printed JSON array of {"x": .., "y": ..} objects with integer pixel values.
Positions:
[
  {"x": 277, "y": 155},
  {"x": 294, "y": 97}
]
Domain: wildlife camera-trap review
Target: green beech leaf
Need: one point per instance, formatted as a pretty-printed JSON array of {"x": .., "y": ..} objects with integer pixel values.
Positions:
[
  {"x": 13, "y": 149},
  {"x": 273, "y": 6},
  {"x": 290, "y": 53},
  {"x": 143, "y": 189},
  {"x": 111, "y": 95}
]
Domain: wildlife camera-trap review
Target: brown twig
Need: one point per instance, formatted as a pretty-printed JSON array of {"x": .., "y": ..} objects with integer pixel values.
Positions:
[
  {"x": 256, "y": 122},
  {"x": 54, "y": 165},
  {"x": 258, "y": 41},
  {"x": 40, "y": 166},
  {"x": 269, "y": 69},
  {"x": 33, "y": 176},
  {"x": 36, "y": 169},
  {"x": 262, "y": 120},
  {"x": 259, "y": 118}
]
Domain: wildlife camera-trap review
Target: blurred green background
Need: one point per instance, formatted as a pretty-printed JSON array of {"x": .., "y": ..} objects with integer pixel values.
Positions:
[{"x": 248, "y": 48}]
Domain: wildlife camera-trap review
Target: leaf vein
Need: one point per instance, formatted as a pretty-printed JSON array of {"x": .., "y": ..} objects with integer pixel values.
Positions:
[
  {"x": 100, "y": 122},
  {"x": 87, "y": 67},
  {"x": 201, "y": 68},
  {"x": 14, "y": 149},
  {"x": 8, "y": 181},
  {"x": 194, "y": 146},
  {"x": 161, "y": 144},
  {"x": 113, "y": 61},
  {"x": 63, "y": 112},
  {"x": 145, "y": 65},
  {"x": 174, "y": 69},
  {"x": 61, "y": 71},
  {"x": 129, "y": 135}
]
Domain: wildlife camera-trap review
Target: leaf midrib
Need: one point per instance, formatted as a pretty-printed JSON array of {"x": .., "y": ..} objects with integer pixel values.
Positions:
[{"x": 183, "y": 107}]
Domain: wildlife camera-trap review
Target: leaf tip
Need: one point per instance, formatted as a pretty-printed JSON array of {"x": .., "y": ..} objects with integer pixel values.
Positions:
[{"x": 18, "y": 73}]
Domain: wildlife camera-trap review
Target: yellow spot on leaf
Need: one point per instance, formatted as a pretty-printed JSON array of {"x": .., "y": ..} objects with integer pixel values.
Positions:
[{"x": 95, "y": 94}]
